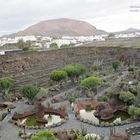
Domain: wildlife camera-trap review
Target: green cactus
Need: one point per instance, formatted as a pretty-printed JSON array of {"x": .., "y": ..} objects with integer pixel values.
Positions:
[{"x": 92, "y": 137}]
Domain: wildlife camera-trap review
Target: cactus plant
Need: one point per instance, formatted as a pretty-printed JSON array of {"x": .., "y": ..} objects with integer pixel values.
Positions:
[{"x": 92, "y": 137}]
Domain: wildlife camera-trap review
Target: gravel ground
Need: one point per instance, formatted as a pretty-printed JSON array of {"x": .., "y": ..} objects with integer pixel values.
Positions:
[{"x": 9, "y": 131}]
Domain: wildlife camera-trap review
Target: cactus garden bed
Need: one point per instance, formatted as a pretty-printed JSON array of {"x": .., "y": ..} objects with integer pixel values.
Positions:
[
  {"x": 88, "y": 116},
  {"x": 51, "y": 118},
  {"x": 65, "y": 135}
]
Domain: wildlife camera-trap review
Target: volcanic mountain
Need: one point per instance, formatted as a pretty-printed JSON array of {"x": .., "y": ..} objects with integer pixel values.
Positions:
[
  {"x": 60, "y": 27},
  {"x": 129, "y": 30}
]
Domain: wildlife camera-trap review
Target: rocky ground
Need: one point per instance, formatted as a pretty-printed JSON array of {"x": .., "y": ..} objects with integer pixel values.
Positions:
[{"x": 9, "y": 131}]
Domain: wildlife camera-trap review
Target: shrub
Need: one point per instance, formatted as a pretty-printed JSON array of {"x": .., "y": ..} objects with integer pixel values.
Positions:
[
  {"x": 103, "y": 98},
  {"x": 74, "y": 70},
  {"x": 127, "y": 97},
  {"x": 115, "y": 64},
  {"x": 123, "y": 83},
  {"x": 88, "y": 107},
  {"x": 111, "y": 35},
  {"x": 97, "y": 64},
  {"x": 110, "y": 93},
  {"x": 72, "y": 99},
  {"x": 25, "y": 46},
  {"x": 32, "y": 121},
  {"x": 79, "y": 135},
  {"x": 95, "y": 67},
  {"x": 53, "y": 46},
  {"x": 58, "y": 75},
  {"x": 131, "y": 69},
  {"x": 44, "y": 135},
  {"x": 6, "y": 83},
  {"x": 134, "y": 111},
  {"x": 29, "y": 91},
  {"x": 91, "y": 82},
  {"x": 43, "y": 93},
  {"x": 65, "y": 46}
]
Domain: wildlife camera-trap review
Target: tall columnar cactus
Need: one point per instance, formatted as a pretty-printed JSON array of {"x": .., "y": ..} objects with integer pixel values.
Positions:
[{"x": 92, "y": 137}]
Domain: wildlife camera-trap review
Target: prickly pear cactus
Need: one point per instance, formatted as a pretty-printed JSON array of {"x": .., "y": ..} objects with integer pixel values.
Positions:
[{"x": 92, "y": 137}]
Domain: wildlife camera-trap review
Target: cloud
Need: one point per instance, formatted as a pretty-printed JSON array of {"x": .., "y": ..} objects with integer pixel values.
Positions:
[{"x": 110, "y": 15}]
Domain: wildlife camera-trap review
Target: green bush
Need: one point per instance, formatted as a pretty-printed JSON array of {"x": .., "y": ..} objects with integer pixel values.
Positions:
[
  {"x": 44, "y": 135},
  {"x": 79, "y": 135},
  {"x": 25, "y": 46},
  {"x": 65, "y": 46},
  {"x": 6, "y": 83},
  {"x": 103, "y": 98},
  {"x": 72, "y": 99},
  {"x": 95, "y": 67},
  {"x": 29, "y": 91},
  {"x": 28, "y": 49},
  {"x": 32, "y": 121},
  {"x": 127, "y": 97},
  {"x": 58, "y": 75},
  {"x": 110, "y": 93},
  {"x": 74, "y": 70},
  {"x": 91, "y": 82},
  {"x": 131, "y": 69},
  {"x": 8, "y": 96},
  {"x": 122, "y": 83},
  {"x": 53, "y": 46},
  {"x": 115, "y": 64},
  {"x": 43, "y": 91},
  {"x": 134, "y": 111}
]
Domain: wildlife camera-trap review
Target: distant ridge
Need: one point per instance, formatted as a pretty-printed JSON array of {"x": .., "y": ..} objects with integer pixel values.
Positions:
[
  {"x": 129, "y": 30},
  {"x": 59, "y": 27}
]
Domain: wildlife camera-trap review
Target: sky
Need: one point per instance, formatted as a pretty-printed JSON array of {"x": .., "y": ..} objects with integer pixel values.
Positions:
[{"x": 108, "y": 15}]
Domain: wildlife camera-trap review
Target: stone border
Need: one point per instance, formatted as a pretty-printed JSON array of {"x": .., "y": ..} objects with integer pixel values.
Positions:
[
  {"x": 103, "y": 124},
  {"x": 132, "y": 133}
]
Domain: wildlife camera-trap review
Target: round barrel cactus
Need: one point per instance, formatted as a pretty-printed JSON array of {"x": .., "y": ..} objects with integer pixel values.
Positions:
[{"x": 92, "y": 137}]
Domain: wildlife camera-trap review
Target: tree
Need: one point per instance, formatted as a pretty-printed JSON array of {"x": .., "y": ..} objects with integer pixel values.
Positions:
[
  {"x": 115, "y": 64},
  {"x": 21, "y": 44},
  {"x": 134, "y": 111},
  {"x": 6, "y": 83},
  {"x": 74, "y": 71},
  {"x": 127, "y": 97},
  {"x": 103, "y": 98},
  {"x": 29, "y": 91},
  {"x": 111, "y": 35},
  {"x": 58, "y": 75},
  {"x": 53, "y": 46},
  {"x": 25, "y": 46},
  {"x": 91, "y": 82}
]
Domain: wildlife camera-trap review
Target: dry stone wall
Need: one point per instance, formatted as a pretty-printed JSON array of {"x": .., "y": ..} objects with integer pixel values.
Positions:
[{"x": 35, "y": 67}]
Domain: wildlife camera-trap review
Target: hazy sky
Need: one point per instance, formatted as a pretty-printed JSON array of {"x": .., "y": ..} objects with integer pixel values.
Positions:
[{"x": 109, "y": 15}]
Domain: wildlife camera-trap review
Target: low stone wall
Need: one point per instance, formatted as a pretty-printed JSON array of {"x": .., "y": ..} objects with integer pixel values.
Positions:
[{"x": 35, "y": 67}]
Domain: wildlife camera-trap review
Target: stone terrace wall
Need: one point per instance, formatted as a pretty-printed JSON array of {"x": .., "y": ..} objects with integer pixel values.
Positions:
[{"x": 35, "y": 67}]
